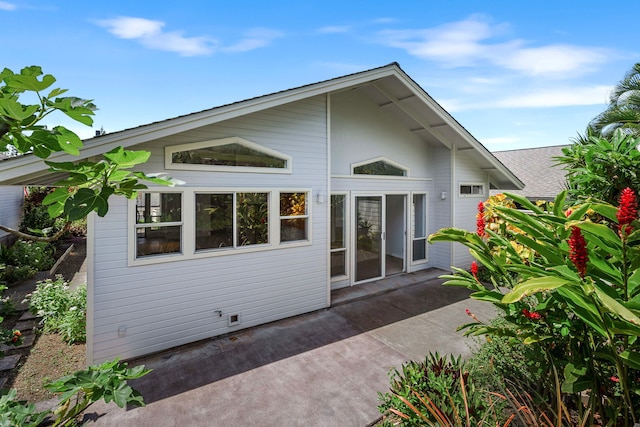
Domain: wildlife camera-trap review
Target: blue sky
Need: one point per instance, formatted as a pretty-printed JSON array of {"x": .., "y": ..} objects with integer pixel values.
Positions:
[{"x": 515, "y": 74}]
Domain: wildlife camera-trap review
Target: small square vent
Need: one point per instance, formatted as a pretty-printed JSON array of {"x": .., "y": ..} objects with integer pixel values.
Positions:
[{"x": 234, "y": 319}]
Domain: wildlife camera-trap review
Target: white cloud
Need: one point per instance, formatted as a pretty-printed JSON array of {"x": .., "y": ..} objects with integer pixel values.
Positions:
[
  {"x": 334, "y": 29},
  {"x": 254, "y": 39},
  {"x": 150, "y": 34},
  {"x": 7, "y": 6},
  {"x": 474, "y": 41},
  {"x": 565, "y": 97},
  {"x": 546, "y": 98}
]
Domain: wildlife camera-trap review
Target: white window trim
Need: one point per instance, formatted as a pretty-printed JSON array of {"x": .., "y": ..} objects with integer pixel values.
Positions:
[
  {"x": 189, "y": 227},
  {"x": 412, "y": 231},
  {"x": 480, "y": 184},
  {"x": 346, "y": 238},
  {"x": 169, "y": 150},
  {"x": 380, "y": 159}
]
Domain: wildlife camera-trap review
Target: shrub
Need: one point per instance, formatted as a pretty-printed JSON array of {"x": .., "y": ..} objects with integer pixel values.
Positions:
[
  {"x": 62, "y": 310},
  {"x": 439, "y": 380},
  {"x": 38, "y": 255},
  {"x": 11, "y": 273},
  {"x": 576, "y": 296}
]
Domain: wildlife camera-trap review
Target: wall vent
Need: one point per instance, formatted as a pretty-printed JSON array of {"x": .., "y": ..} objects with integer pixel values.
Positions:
[{"x": 234, "y": 319}]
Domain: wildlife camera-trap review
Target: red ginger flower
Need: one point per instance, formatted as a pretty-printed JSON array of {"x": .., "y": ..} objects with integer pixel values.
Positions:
[
  {"x": 480, "y": 220},
  {"x": 474, "y": 269},
  {"x": 578, "y": 251},
  {"x": 531, "y": 315},
  {"x": 627, "y": 210}
]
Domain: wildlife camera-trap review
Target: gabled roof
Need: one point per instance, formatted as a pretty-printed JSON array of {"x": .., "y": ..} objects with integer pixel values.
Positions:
[
  {"x": 389, "y": 86},
  {"x": 536, "y": 167}
]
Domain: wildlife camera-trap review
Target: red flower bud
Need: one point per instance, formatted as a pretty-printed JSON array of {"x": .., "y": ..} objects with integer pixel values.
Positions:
[
  {"x": 578, "y": 251},
  {"x": 474, "y": 269},
  {"x": 627, "y": 210}
]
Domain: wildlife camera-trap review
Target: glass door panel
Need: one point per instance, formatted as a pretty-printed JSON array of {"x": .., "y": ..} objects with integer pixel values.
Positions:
[
  {"x": 419, "y": 226},
  {"x": 369, "y": 229}
]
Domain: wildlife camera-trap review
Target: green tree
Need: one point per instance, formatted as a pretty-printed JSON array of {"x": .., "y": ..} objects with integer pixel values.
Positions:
[
  {"x": 89, "y": 183},
  {"x": 602, "y": 167},
  {"x": 623, "y": 111}
]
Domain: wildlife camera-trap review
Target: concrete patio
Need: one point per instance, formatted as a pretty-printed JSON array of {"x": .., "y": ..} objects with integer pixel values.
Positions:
[{"x": 320, "y": 369}]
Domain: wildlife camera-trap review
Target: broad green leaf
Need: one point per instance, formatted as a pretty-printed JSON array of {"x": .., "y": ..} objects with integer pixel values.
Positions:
[
  {"x": 631, "y": 359},
  {"x": 56, "y": 200},
  {"x": 524, "y": 202},
  {"x": 584, "y": 308},
  {"x": 551, "y": 254},
  {"x": 68, "y": 141},
  {"x": 606, "y": 211},
  {"x": 30, "y": 82},
  {"x": 84, "y": 202},
  {"x": 15, "y": 110},
  {"x": 488, "y": 296},
  {"x": 579, "y": 212},
  {"x": 575, "y": 380},
  {"x": 127, "y": 158},
  {"x": 609, "y": 299},
  {"x": 558, "y": 203},
  {"x": 533, "y": 286},
  {"x": 606, "y": 268},
  {"x": 600, "y": 230}
]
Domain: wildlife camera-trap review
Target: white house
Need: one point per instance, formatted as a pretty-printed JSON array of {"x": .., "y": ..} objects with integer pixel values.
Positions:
[
  {"x": 11, "y": 198},
  {"x": 286, "y": 197}
]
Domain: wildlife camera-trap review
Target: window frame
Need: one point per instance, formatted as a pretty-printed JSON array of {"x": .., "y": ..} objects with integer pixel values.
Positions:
[
  {"x": 171, "y": 149},
  {"x": 471, "y": 185},
  {"x": 188, "y": 230},
  {"x": 380, "y": 159},
  {"x": 161, "y": 224}
]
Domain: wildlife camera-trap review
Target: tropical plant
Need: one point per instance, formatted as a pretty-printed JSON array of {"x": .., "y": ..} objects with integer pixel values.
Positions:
[
  {"x": 90, "y": 183},
  {"x": 106, "y": 382},
  {"x": 623, "y": 111},
  {"x": 601, "y": 167},
  {"x": 577, "y": 296},
  {"x": 439, "y": 385},
  {"x": 18, "y": 413}
]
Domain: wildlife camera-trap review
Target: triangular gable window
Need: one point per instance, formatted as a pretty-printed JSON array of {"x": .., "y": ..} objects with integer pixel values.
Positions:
[
  {"x": 228, "y": 154},
  {"x": 379, "y": 166}
]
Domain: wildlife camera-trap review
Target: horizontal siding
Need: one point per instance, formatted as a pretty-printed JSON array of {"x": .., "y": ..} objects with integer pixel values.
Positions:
[
  {"x": 11, "y": 198},
  {"x": 172, "y": 303},
  {"x": 466, "y": 207},
  {"x": 440, "y": 252},
  {"x": 361, "y": 130}
]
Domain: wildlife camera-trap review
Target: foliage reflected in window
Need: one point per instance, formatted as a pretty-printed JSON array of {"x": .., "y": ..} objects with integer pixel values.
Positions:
[
  {"x": 158, "y": 223},
  {"x": 379, "y": 168},
  {"x": 214, "y": 221},
  {"x": 293, "y": 217},
  {"x": 252, "y": 214},
  {"x": 232, "y": 154}
]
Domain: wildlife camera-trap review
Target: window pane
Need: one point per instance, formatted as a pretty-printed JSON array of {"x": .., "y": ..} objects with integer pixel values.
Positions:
[
  {"x": 233, "y": 154},
  {"x": 379, "y": 168},
  {"x": 293, "y": 229},
  {"x": 214, "y": 221},
  {"x": 419, "y": 249},
  {"x": 293, "y": 204},
  {"x": 158, "y": 207},
  {"x": 419, "y": 215},
  {"x": 252, "y": 215},
  {"x": 158, "y": 240},
  {"x": 337, "y": 221},
  {"x": 338, "y": 264}
]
